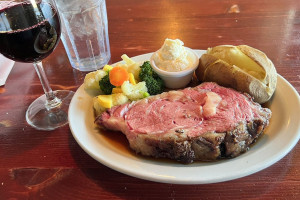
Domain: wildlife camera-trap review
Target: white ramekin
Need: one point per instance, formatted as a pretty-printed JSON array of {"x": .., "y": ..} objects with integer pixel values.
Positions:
[{"x": 176, "y": 80}]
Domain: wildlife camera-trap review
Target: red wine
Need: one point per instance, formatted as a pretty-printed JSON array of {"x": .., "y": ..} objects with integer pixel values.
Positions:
[{"x": 28, "y": 33}]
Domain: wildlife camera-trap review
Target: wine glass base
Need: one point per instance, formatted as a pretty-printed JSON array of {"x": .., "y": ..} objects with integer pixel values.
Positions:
[{"x": 43, "y": 118}]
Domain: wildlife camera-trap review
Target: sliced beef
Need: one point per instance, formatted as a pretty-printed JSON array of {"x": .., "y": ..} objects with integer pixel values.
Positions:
[{"x": 203, "y": 123}]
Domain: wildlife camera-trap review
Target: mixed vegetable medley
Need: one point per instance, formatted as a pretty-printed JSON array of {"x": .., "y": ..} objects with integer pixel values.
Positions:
[{"x": 127, "y": 81}]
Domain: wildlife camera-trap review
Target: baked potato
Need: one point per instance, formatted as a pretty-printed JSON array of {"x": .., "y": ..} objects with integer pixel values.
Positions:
[{"x": 243, "y": 68}]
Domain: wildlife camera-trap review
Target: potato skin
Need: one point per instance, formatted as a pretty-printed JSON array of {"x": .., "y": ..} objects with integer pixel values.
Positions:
[{"x": 217, "y": 70}]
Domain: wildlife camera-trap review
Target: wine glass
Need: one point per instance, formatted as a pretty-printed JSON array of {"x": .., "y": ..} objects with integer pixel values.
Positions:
[{"x": 29, "y": 32}]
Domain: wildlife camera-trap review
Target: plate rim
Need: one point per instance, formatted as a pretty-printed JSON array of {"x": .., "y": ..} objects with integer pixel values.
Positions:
[{"x": 175, "y": 180}]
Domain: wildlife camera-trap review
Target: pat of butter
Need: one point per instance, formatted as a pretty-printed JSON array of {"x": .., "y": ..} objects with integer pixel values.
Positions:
[{"x": 172, "y": 56}]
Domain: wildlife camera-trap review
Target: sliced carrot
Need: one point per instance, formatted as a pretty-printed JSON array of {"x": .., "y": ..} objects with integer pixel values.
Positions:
[{"x": 118, "y": 75}]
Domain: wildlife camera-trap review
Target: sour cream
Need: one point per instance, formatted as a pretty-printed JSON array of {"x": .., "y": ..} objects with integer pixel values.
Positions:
[{"x": 172, "y": 56}]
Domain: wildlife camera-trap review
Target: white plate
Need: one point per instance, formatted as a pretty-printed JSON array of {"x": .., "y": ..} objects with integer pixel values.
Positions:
[{"x": 280, "y": 137}]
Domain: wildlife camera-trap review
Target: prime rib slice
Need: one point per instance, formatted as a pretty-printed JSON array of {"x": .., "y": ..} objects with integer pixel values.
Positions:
[{"x": 203, "y": 123}]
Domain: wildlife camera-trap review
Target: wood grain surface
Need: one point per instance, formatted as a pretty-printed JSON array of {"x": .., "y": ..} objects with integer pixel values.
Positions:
[{"x": 51, "y": 165}]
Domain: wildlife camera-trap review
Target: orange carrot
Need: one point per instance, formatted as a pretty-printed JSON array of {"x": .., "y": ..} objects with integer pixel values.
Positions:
[{"x": 118, "y": 75}]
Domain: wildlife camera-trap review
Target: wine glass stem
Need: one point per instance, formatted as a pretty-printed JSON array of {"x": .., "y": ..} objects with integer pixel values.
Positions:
[{"x": 52, "y": 100}]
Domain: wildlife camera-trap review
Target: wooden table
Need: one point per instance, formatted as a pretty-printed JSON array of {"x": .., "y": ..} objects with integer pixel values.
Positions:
[{"x": 51, "y": 165}]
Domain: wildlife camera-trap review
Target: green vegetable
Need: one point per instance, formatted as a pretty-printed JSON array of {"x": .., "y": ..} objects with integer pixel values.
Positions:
[
  {"x": 146, "y": 70},
  {"x": 154, "y": 83},
  {"x": 105, "y": 85},
  {"x": 146, "y": 94},
  {"x": 154, "y": 86}
]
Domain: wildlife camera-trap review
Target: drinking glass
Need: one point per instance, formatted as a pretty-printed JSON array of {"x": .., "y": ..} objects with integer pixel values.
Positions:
[
  {"x": 85, "y": 33},
  {"x": 29, "y": 32}
]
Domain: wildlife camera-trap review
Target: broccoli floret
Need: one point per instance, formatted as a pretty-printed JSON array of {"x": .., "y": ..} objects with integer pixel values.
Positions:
[
  {"x": 154, "y": 86},
  {"x": 105, "y": 85},
  {"x": 146, "y": 70},
  {"x": 154, "y": 83}
]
